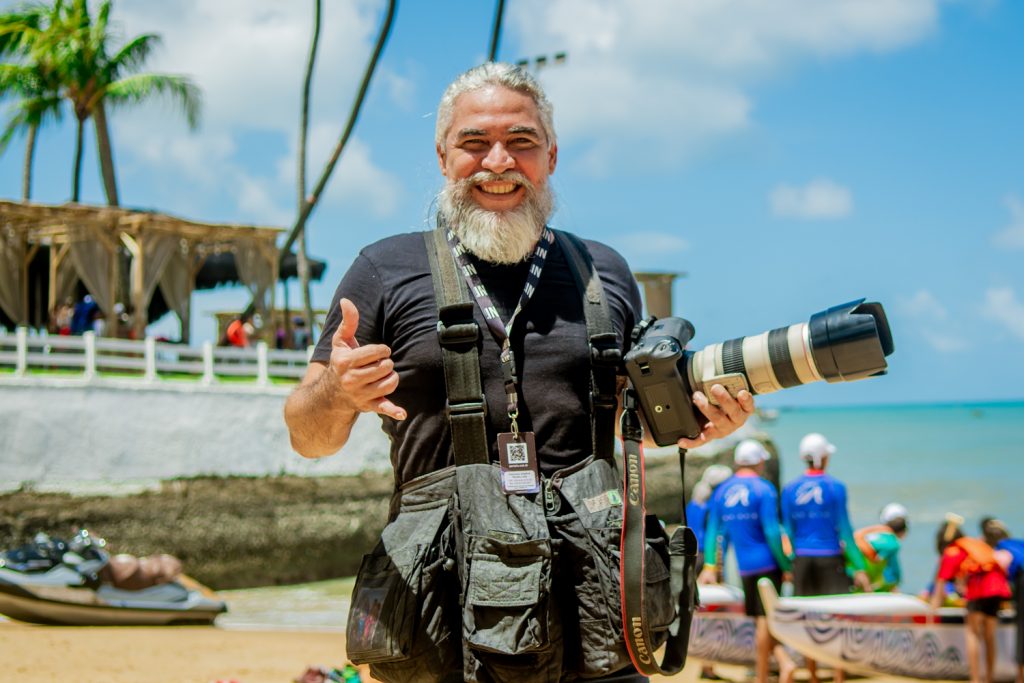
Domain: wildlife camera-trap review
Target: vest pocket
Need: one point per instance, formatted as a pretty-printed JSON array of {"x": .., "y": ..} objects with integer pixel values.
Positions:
[
  {"x": 380, "y": 619},
  {"x": 507, "y": 595}
]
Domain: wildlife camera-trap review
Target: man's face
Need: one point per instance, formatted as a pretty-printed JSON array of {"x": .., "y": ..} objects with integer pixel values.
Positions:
[{"x": 496, "y": 130}]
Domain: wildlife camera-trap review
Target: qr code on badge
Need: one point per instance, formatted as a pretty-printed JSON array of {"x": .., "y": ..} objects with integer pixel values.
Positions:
[{"x": 517, "y": 454}]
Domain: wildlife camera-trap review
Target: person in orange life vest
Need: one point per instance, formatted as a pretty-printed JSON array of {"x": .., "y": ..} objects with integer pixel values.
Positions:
[
  {"x": 986, "y": 587},
  {"x": 1010, "y": 555},
  {"x": 238, "y": 331},
  {"x": 880, "y": 545}
]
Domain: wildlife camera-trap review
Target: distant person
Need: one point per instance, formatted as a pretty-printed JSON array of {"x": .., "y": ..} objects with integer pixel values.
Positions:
[
  {"x": 975, "y": 562},
  {"x": 696, "y": 519},
  {"x": 880, "y": 545},
  {"x": 81, "y": 318},
  {"x": 300, "y": 334},
  {"x": 815, "y": 518},
  {"x": 238, "y": 331},
  {"x": 1010, "y": 555},
  {"x": 744, "y": 511}
]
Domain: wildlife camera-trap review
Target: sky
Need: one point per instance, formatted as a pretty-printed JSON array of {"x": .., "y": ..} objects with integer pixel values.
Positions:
[{"x": 785, "y": 155}]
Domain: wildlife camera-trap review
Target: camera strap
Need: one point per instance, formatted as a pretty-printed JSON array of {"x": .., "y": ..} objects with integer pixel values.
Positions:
[{"x": 682, "y": 558}]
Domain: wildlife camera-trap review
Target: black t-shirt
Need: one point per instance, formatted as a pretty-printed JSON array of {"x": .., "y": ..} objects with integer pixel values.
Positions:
[{"x": 390, "y": 284}]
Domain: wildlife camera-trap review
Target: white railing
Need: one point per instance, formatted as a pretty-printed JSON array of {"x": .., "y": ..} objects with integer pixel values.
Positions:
[{"x": 147, "y": 360}]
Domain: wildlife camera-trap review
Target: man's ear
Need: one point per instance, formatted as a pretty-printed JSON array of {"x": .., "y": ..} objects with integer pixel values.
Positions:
[
  {"x": 440, "y": 159},
  {"x": 552, "y": 158}
]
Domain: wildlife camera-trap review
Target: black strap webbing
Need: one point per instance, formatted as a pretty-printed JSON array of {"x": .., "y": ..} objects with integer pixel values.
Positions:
[
  {"x": 605, "y": 354},
  {"x": 459, "y": 336}
]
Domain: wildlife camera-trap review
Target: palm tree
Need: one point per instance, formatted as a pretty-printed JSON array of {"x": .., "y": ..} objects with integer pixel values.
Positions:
[
  {"x": 93, "y": 77},
  {"x": 32, "y": 83}
]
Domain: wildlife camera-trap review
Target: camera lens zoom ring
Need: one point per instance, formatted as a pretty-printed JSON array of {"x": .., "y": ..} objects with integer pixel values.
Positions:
[
  {"x": 781, "y": 360},
  {"x": 732, "y": 357}
]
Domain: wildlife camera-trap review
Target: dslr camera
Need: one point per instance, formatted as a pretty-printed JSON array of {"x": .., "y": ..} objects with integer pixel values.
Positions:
[{"x": 840, "y": 344}]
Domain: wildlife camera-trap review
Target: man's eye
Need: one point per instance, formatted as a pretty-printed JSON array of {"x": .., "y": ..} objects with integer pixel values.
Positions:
[
  {"x": 522, "y": 143},
  {"x": 475, "y": 144}
]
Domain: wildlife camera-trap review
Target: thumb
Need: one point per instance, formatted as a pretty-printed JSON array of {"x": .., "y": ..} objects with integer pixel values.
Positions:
[
  {"x": 345, "y": 335},
  {"x": 386, "y": 407}
]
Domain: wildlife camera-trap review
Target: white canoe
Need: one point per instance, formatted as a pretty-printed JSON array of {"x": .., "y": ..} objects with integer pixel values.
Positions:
[
  {"x": 881, "y": 634},
  {"x": 721, "y": 631}
]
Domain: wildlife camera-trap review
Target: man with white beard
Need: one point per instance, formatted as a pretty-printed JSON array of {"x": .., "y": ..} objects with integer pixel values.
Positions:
[{"x": 379, "y": 350}]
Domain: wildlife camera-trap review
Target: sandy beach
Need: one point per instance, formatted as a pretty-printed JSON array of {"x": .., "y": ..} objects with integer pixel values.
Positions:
[{"x": 41, "y": 654}]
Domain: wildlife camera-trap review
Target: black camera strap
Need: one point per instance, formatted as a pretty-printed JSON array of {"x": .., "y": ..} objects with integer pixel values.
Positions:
[{"x": 682, "y": 558}]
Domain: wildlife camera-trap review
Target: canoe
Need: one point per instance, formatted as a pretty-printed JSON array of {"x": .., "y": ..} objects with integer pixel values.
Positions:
[
  {"x": 721, "y": 632},
  {"x": 882, "y": 634}
]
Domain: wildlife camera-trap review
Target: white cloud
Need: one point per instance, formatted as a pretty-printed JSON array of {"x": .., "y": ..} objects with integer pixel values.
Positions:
[
  {"x": 668, "y": 76},
  {"x": 248, "y": 57},
  {"x": 819, "y": 199},
  {"x": 653, "y": 243},
  {"x": 945, "y": 342},
  {"x": 1001, "y": 305},
  {"x": 924, "y": 305},
  {"x": 1012, "y": 236}
]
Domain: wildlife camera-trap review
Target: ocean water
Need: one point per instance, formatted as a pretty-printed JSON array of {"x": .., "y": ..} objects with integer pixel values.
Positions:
[{"x": 934, "y": 459}]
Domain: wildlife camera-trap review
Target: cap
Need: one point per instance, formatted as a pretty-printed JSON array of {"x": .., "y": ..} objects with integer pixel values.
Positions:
[
  {"x": 716, "y": 474},
  {"x": 750, "y": 452},
  {"x": 816, "y": 448},
  {"x": 701, "y": 492},
  {"x": 893, "y": 511}
]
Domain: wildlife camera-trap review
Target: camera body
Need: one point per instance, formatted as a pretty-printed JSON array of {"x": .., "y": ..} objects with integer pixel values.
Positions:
[{"x": 840, "y": 344}]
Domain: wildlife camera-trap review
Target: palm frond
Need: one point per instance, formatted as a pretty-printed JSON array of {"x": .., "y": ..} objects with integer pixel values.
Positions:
[
  {"x": 140, "y": 87},
  {"x": 133, "y": 55}
]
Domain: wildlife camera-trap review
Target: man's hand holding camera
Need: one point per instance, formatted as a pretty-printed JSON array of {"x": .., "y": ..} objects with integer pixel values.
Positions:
[{"x": 724, "y": 418}]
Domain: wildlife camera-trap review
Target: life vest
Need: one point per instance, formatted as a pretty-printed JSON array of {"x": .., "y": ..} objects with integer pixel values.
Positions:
[
  {"x": 981, "y": 557},
  {"x": 860, "y": 537}
]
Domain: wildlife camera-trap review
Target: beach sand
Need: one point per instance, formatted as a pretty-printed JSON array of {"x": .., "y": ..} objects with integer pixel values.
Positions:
[{"x": 187, "y": 654}]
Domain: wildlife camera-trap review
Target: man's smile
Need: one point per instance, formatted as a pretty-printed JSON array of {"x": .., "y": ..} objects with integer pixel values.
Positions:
[{"x": 498, "y": 187}]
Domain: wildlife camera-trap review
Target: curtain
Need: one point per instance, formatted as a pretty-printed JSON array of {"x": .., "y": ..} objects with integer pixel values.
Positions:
[
  {"x": 157, "y": 250},
  {"x": 94, "y": 261},
  {"x": 12, "y": 286},
  {"x": 176, "y": 286},
  {"x": 255, "y": 271}
]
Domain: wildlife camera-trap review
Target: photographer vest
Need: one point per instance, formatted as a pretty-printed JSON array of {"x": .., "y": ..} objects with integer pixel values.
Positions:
[{"x": 471, "y": 583}]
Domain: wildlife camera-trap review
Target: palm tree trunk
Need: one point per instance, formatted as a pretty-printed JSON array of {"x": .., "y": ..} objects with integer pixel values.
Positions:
[
  {"x": 30, "y": 151},
  {"x": 303, "y": 254},
  {"x": 76, "y": 179},
  {"x": 310, "y": 203},
  {"x": 106, "y": 154}
]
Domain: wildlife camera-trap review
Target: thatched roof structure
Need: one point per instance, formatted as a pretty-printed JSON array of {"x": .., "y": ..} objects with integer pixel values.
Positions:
[{"x": 124, "y": 256}]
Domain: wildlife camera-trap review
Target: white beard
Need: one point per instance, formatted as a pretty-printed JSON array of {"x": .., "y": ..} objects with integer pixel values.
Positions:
[{"x": 502, "y": 237}]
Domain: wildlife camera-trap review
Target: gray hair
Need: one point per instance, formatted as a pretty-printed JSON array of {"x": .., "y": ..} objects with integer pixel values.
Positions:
[{"x": 500, "y": 74}]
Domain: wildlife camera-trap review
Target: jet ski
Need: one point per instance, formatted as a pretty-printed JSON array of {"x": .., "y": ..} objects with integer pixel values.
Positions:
[{"x": 77, "y": 583}]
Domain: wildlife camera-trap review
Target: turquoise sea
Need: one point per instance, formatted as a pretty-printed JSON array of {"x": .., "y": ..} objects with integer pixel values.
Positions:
[{"x": 934, "y": 459}]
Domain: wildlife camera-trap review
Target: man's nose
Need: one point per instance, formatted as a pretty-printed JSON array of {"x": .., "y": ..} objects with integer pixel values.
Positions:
[{"x": 498, "y": 159}]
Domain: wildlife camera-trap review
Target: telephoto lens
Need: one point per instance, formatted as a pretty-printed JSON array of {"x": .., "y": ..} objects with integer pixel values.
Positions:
[{"x": 840, "y": 344}]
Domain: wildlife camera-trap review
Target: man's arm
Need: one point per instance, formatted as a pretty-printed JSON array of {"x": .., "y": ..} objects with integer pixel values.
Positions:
[
  {"x": 773, "y": 530},
  {"x": 322, "y": 409},
  {"x": 853, "y": 554}
]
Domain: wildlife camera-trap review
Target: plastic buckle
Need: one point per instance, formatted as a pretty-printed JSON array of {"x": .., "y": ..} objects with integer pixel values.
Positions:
[
  {"x": 605, "y": 351},
  {"x": 456, "y": 326},
  {"x": 466, "y": 407}
]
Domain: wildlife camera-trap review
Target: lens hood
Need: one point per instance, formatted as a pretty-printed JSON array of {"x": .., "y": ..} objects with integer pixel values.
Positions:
[{"x": 850, "y": 341}]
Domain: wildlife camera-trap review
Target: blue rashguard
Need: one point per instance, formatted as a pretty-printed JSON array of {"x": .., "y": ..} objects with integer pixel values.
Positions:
[
  {"x": 1015, "y": 546},
  {"x": 696, "y": 519},
  {"x": 742, "y": 511},
  {"x": 816, "y": 520}
]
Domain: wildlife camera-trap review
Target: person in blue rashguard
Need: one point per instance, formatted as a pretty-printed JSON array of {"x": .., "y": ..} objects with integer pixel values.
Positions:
[
  {"x": 744, "y": 512},
  {"x": 816, "y": 520},
  {"x": 696, "y": 519}
]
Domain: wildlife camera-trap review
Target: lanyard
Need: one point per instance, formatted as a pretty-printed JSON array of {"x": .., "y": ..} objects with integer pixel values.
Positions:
[{"x": 501, "y": 330}]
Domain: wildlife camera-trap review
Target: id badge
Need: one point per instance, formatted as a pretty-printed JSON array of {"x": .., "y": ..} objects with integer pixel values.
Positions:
[{"x": 517, "y": 455}]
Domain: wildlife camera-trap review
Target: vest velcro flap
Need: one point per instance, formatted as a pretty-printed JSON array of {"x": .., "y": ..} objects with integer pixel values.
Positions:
[{"x": 494, "y": 583}]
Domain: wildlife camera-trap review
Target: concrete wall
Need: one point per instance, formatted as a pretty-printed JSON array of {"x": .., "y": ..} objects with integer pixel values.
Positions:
[{"x": 95, "y": 438}]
